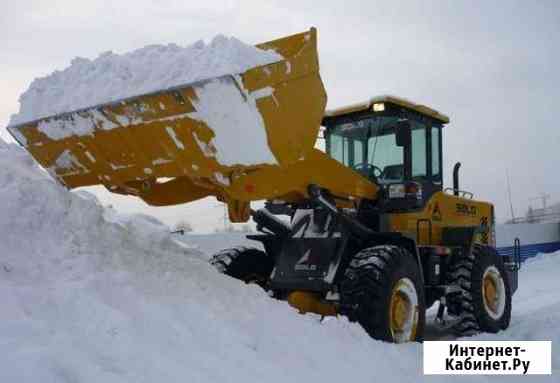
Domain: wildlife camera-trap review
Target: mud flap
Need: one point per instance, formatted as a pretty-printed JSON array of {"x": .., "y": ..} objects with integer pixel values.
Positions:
[
  {"x": 307, "y": 264},
  {"x": 513, "y": 264}
]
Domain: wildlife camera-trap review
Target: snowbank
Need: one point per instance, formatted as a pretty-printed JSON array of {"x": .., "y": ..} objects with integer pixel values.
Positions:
[
  {"x": 112, "y": 76},
  {"x": 88, "y": 295}
]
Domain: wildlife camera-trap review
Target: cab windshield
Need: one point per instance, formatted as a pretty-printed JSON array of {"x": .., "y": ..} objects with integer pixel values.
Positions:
[{"x": 370, "y": 147}]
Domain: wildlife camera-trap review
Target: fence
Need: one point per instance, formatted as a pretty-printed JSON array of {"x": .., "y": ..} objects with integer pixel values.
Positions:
[{"x": 535, "y": 238}]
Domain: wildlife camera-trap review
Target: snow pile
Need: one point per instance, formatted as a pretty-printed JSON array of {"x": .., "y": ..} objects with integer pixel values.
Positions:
[
  {"x": 221, "y": 103},
  {"x": 89, "y": 295},
  {"x": 112, "y": 76}
]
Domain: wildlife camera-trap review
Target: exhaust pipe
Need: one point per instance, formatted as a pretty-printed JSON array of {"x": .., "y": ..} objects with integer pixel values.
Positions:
[{"x": 456, "y": 178}]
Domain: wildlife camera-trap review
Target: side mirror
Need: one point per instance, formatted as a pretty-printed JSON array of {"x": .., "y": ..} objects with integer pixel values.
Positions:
[{"x": 403, "y": 133}]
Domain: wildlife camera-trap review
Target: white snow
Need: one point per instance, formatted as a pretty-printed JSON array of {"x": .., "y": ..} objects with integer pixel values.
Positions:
[
  {"x": 119, "y": 167},
  {"x": 112, "y": 76},
  {"x": 207, "y": 149},
  {"x": 288, "y": 67},
  {"x": 19, "y": 137},
  {"x": 223, "y": 104},
  {"x": 161, "y": 161},
  {"x": 220, "y": 178},
  {"x": 68, "y": 163},
  {"x": 79, "y": 125},
  {"x": 90, "y": 295},
  {"x": 90, "y": 156},
  {"x": 174, "y": 137}
]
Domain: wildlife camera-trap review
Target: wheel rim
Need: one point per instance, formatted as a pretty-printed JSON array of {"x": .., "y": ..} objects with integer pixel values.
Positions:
[
  {"x": 493, "y": 292},
  {"x": 403, "y": 311}
]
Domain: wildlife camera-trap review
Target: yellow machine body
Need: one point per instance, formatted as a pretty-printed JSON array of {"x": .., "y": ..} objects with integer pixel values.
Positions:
[
  {"x": 445, "y": 210},
  {"x": 153, "y": 147},
  {"x": 156, "y": 147},
  {"x": 158, "y": 151},
  {"x": 309, "y": 302}
]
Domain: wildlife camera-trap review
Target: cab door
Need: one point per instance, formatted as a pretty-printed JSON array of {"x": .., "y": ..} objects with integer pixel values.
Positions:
[{"x": 425, "y": 156}]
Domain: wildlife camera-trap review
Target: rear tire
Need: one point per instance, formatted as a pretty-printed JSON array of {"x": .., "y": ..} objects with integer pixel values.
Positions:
[
  {"x": 247, "y": 264},
  {"x": 484, "y": 304},
  {"x": 382, "y": 290}
]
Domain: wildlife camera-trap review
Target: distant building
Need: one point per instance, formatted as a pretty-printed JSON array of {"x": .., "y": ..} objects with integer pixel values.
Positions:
[
  {"x": 539, "y": 215},
  {"x": 538, "y": 232}
]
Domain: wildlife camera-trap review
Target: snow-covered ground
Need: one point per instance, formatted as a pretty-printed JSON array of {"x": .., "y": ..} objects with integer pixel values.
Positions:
[{"x": 88, "y": 295}]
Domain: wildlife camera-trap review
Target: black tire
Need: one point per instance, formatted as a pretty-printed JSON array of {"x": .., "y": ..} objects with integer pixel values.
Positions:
[
  {"x": 368, "y": 286},
  {"x": 469, "y": 306},
  {"x": 247, "y": 264}
]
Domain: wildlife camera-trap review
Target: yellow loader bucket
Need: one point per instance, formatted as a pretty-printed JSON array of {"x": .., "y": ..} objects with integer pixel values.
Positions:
[{"x": 185, "y": 143}]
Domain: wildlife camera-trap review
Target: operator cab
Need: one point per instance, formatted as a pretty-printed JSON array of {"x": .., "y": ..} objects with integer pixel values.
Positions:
[{"x": 393, "y": 142}]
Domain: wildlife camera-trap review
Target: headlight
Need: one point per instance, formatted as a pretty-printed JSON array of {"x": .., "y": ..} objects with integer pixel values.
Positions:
[
  {"x": 396, "y": 191},
  {"x": 405, "y": 190}
]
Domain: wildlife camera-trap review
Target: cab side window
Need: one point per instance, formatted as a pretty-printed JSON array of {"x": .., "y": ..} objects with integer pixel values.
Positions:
[
  {"x": 419, "y": 151},
  {"x": 436, "y": 153}
]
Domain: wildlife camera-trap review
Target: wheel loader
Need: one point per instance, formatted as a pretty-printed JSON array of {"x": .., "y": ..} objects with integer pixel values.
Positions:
[{"x": 364, "y": 229}]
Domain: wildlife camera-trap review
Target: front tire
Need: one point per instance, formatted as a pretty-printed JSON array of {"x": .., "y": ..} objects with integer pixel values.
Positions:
[
  {"x": 382, "y": 290},
  {"x": 247, "y": 264},
  {"x": 484, "y": 304}
]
